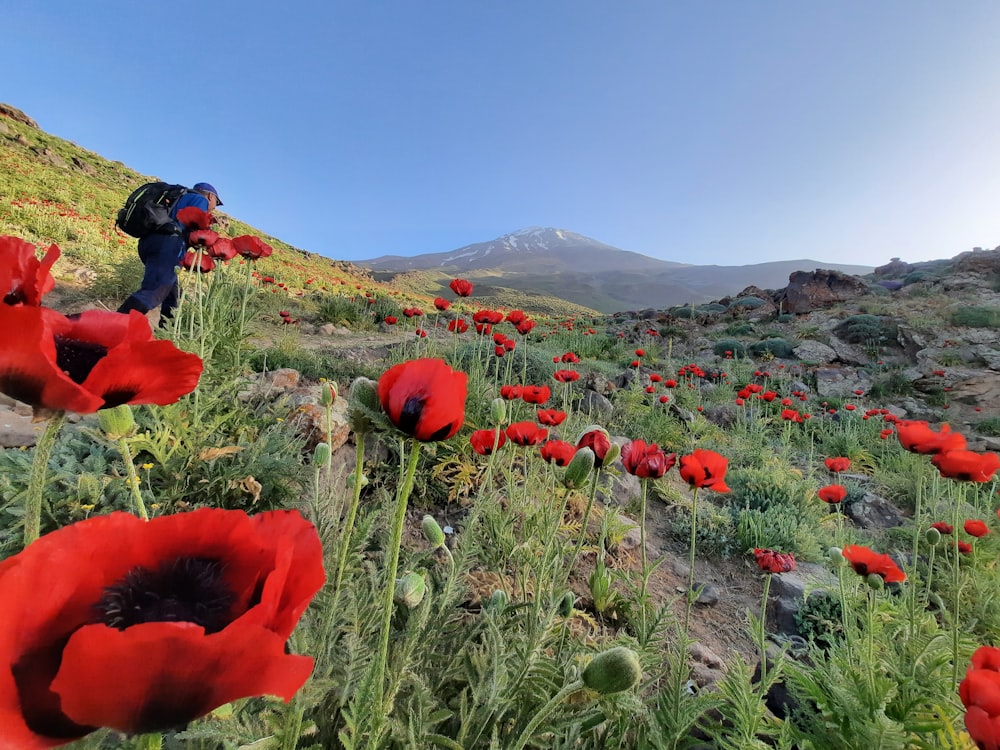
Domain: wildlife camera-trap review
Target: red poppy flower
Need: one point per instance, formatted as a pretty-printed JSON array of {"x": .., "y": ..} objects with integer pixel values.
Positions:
[
  {"x": 640, "y": 352},
  {"x": 461, "y": 287},
  {"x": 515, "y": 317},
  {"x": 664, "y": 399},
  {"x": 918, "y": 437},
  {"x": 770, "y": 561},
  {"x": 646, "y": 461},
  {"x": 558, "y": 452},
  {"x": 192, "y": 217},
  {"x": 551, "y": 417},
  {"x": 705, "y": 468},
  {"x": 89, "y": 361},
  {"x": 768, "y": 396},
  {"x": 491, "y": 317},
  {"x": 202, "y": 238},
  {"x": 832, "y": 493},
  {"x": 525, "y": 327},
  {"x": 222, "y": 249},
  {"x": 598, "y": 440},
  {"x": 482, "y": 441},
  {"x": 864, "y": 561},
  {"x": 526, "y": 433},
  {"x": 967, "y": 466},
  {"x": 655, "y": 378},
  {"x": 510, "y": 392},
  {"x": 251, "y": 247},
  {"x": 963, "y": 547},
  {"x": 788, "y": 415},
  {"x": 391, "y": 320},
  {"x": 942, "y": 527},
  {"x": 420, "y": 332},
  {"x": 975, "y": 527},
  {"x": 670, "y": 383},
  {"x": 635, "y": 363},
  {"x": 535, "y": 394},
  {"x": 412, "y": 312},
  {"x": 838, "y": 464},
  {"x": 441, "y": 303},
  {"x": 566, "y": 376},
  {"x": 152, "y": 623},
  {"x": 458, "y": 325},
  {"x": 200, "y": 262},
  {"x": 24, "y": 279},
  {"x": 424, "y": 398},
  {"x": 980, "y": 694},
  {"x": 570, "y": 357}
]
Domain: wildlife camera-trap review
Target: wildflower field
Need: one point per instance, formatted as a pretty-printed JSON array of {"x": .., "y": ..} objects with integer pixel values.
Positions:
[{"x": 431, "y": 549}]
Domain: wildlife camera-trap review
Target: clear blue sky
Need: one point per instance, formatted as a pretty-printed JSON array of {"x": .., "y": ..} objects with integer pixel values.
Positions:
[{"x": 725, "y": 131}]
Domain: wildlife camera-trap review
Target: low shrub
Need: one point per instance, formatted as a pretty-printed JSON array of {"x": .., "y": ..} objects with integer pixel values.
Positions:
[
  {"x": 777, "y": 348},
  {"x": 870, "y": 330},
  {"x": 976, "y": 317},
  {"x": 734, "y": 347}
]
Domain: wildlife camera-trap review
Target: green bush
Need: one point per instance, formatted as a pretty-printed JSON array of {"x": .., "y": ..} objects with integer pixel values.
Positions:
[
  {"x": 819, "y": 619},
  {"x": 765, "y": 487},
  {"x": 748, "y": 303},
  {"x": 739, "y": 328},
  {"x": 867, "y": 329},
  {"x": 773, "y": 347},
  {"x": 976, "y": 317},
  {"x": 989, "y": 426},
  {"x": 737, "y": 348},
  {"x": 775, "y": 528}
]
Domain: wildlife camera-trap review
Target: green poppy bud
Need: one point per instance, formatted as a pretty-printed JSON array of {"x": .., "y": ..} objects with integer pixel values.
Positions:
[
  {"x": 613, "y": 671},
  {"x": 353, "y": 478},
  {"x": 875, "y": 581},
  {"x": 613, "y": 452},
  {"x": 498, "y": 411},
  {"x": 117, "y": 422},
  {"x": 836, "y": 556},
  {"x": 363, "y": 406},
  {"x": 327, "y": 393},
  {"x": 321, "y": 454},
  {"x": 578, "y": 471},
  {"x": 410, "y": 590},
  {"x": 566, "y": 604},
  {"x": 497, "y": 601},
  {"x": 432, "y": 531},
  {"x": 933, "y": 536}
]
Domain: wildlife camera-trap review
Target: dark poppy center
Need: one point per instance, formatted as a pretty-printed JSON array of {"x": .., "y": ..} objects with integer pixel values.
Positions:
[
  {"x": 187, "y": 589},
  {"x": 410, "y": 414},
  {"x": 77, "y": 358}
]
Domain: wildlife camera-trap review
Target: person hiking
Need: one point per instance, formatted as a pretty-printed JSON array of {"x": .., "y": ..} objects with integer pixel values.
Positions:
[{"x": 161, "y": 252}]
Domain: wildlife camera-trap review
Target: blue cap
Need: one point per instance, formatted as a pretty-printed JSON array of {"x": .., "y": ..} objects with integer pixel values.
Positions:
[{"x": 204, "y": 187}]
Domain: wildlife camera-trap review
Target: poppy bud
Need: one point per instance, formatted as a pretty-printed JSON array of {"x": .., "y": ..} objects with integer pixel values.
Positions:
[
  {"x": 321, "y": 454},
  {"x": 432, "y": 531},
  {"x": 498, "y": 411},
  {"x": 352, "y": 480},
  {"x": 566, "y": 604},
  {"x": 497, "y": 601},
  {"x": 875, "y": 581},
  {"x": 117, "y": 422},
  {"x": 836, "y": 556},
  {"x": 933, "y": 536},
  {"x": 362, "y": 405},
  {"x": 579, "y": 469},
  {"x": 613, "y": 671},
  {"x": 327, "y": 394},
  {"x": 410, "y": 590}
]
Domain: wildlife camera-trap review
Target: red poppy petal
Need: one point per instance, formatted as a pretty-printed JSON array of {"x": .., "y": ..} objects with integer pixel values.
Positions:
[
  {"x": 28, "y": 370},
  {"x": 160, "y": 675}
]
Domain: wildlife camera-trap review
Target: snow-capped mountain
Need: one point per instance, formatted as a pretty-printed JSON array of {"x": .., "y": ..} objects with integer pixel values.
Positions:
[
  {"x": 564, "y": 264},
  {"x": 528, "y": 250}
]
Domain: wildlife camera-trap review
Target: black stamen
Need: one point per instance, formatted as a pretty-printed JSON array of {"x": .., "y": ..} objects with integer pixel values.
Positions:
[
  {"x": 410, "y": 414},
  {"x": 187, "y": 589},
  {"x": 77, "y": 358}
]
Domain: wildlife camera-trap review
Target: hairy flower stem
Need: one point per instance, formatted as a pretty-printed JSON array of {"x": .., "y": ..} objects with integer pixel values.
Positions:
[
  {"x": 36, "y": 480},
  {"x": 586, "y": 518},
  {"x": 392, "y": 567},
  {"x": 345, "y": 541},
  {"x": 690, "y": 595},
  {"x": 133, "y": 479},
  {"x": 762, "y": 633},
  {"x": 543, "y": 713},
  {"x": 957, "y": 508},
  {"x": 643, "y": 604}
]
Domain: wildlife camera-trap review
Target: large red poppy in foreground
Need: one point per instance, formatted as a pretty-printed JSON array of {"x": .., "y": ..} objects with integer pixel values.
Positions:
[
  {"x": 424, "y": 398},
  {"x": 980, "y": 694},
  {"x": 94, "y": 360},
  {"x": 23, "y": 277},
  {"x": 705, "y": 468},
  {"x": 143, "y": 626}
]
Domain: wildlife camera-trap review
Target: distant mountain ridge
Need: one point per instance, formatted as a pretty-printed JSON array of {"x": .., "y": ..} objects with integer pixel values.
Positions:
[{"x": 588, "y": 272}]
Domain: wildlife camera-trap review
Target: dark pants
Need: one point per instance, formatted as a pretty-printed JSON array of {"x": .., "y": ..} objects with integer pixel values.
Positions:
[{"x": 160, "y": 254}]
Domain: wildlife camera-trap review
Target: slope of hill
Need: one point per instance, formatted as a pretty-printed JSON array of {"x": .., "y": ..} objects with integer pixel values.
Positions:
[{"x": 560, "y": 263}]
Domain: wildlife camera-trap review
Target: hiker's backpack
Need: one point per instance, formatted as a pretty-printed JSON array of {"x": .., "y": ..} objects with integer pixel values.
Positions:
[{"x": 147, "y": 210}]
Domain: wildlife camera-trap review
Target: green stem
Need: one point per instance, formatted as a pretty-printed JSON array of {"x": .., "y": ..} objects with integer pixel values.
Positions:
[
  {"x": 543, "y": 713},
  {"x": 133, "y": 479},
  {"x": 392, "y": 567},
  {"x": 693, "y": 546},
  {"x": 345, "y": 542},
  {"x": 586, "y": 518},
  {"x": 36, "y": 480},
  {"x": 645, "y": 568},
  {"x": 762, "y": 633}
]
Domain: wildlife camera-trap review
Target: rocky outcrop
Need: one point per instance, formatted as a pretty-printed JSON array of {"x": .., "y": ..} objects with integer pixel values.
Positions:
[
  {"x": 814, "y": 290},
  {"x": 17, "y": 115}
]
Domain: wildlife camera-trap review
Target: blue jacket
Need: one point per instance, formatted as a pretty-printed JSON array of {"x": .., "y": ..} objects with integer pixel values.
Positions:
[{"x": 190, "y": 198}]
